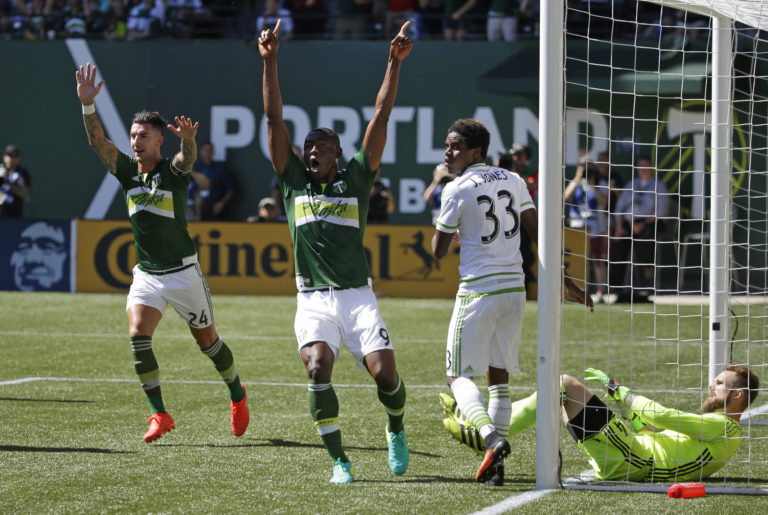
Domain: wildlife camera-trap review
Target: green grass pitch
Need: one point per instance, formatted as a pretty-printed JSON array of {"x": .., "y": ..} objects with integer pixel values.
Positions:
[{"x": 71, "y": 439}]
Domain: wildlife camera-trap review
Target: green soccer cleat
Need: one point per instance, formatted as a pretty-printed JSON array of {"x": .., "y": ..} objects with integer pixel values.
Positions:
[
  {"x": 451, "y": 409},
  {"x": 399, "y": 456},
  {"x": 465, "y": 434},
  {"x": 343, "y": 472}
]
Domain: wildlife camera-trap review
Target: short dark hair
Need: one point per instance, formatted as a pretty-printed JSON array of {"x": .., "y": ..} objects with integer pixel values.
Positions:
[
  {"x": 643, "y": 157},
  {"x": 153, "y": 118},
  {"x": 747, "y": 379},
  {"x": 322, "y": 133},
  {"x": 473, "y": 133},
  {"x": 12, "y": 150}
]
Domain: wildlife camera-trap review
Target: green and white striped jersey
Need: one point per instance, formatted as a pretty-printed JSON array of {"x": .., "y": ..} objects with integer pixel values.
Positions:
[
  {"x": 327, "y": 224},
  {"x": 157, "y": 203}
]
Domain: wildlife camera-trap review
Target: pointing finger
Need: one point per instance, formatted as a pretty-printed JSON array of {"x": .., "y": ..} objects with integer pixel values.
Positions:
[
  {"x": 277, "y": 26},
  {"x": 404, "y": 28}
]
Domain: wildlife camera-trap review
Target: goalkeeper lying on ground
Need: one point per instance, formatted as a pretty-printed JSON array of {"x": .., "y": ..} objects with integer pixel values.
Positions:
[{"x": 660, "y": 444}]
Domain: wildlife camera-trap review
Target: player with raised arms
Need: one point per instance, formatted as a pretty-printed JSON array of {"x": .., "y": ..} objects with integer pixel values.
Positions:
[
  {"x": 326, "y": 209},
  {"x": 156, "y": 191}
]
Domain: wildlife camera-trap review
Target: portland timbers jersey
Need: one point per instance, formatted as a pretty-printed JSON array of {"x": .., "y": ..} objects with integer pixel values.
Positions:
[
  {"x": 157, "y": 203},
  {"x": 327, "y": 224}
]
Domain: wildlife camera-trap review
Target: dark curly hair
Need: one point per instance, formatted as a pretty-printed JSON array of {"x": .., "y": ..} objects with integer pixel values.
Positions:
[{"x": 473, "y": 133}]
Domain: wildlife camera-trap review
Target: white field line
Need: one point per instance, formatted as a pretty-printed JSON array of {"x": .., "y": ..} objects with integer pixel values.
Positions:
[
  {"x": 290, "y": 337},
  {"x": 21, "y": 380},
  {"x": 511, "y": 503}
]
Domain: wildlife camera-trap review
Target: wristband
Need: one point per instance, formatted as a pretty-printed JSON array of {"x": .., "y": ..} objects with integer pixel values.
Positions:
[{"x": 89, "y": 109}]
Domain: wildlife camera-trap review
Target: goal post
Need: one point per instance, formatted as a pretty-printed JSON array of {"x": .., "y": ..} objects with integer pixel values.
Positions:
[{"x": 685, "y": 84}]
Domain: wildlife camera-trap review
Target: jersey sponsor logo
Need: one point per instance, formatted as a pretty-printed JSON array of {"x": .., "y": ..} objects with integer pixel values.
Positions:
[
  {"x": 338, "y": 211},
  {"x": 159, "y": 202}
]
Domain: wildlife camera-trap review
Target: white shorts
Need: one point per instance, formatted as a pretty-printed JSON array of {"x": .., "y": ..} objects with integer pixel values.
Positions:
[
  {"x": 484, "y": 331},
  {"x": 350, "y": 317},
  {"x": 185, "y": 290}
]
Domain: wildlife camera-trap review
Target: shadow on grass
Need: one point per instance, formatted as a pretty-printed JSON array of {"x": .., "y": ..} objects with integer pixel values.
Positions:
[
  {"x": 22, "y": 399},
  {"x": 278, "y": 442},
  {"x": 508, "y": 482},
  {"x": 27, "y": 448}
]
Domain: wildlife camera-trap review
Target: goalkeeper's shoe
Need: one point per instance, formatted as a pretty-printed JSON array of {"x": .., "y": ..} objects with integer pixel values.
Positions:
[
  {"x": 159, "y": 424},
  {"x": 451, "y": 408},
  {"x": 498, "y": 477},
  {"x": 343, "y": 472},
  {"x": 399, "y": 456},
  {"x": 496, "y": 450},
  {"x": 466, "y": 434},
  {"x": 240, "y": 415}
]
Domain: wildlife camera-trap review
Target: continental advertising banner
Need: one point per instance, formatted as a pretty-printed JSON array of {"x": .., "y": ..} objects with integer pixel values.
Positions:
[
  {"x": 242, "y": 258},
  {"x": 257, "y": 259},
  {"x": 35, "y": 255}
]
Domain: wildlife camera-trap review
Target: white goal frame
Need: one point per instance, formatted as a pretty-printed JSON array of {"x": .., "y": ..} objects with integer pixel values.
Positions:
[{"x": 550, "y": 211}]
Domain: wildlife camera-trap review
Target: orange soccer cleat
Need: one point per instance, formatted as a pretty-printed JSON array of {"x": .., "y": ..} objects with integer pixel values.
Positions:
[
  {"x": 159, "y": 424},
  {"x": 240, "y": 415}
]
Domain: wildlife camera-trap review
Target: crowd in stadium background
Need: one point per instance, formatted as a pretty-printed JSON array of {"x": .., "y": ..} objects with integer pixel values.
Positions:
[{"x": 314, "y": 19}]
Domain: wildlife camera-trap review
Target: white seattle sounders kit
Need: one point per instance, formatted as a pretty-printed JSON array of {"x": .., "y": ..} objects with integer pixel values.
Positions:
[{"x": 484, "y": 206}]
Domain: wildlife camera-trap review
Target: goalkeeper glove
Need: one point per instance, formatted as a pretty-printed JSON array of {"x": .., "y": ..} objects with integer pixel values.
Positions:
[{"x": 615, "y": 390}]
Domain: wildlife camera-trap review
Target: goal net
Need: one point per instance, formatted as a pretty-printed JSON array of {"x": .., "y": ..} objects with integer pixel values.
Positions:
[{"x": 664, "y": 136}]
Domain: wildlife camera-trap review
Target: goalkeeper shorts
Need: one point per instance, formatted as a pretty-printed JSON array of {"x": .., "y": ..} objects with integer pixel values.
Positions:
[{"x": 591, "y": 420}]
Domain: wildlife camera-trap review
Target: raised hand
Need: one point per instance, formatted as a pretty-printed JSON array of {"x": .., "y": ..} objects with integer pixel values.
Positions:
[
  {"x": 184, "y": 127},
  {"x": 615, "y": 390},
  {"x": 401, "y": 45},
  {"x": 87, "y": 89},
  {"x": 268, "y": 41}
]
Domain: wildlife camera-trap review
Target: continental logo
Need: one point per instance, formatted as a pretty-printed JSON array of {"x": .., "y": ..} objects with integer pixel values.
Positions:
[{"x": 241, "y": 258}]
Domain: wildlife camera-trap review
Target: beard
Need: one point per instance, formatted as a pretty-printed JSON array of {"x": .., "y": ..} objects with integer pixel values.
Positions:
[{"x": 712, "y": 404}]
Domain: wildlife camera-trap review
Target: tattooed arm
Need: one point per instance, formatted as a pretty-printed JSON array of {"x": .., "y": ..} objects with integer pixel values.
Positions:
[
  {"x": 186, "y": 130},
  {"x": 87, "y": 89}
]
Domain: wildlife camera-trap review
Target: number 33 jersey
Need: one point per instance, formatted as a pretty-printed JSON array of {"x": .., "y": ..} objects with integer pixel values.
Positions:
[{"x": 484, "y": 205}]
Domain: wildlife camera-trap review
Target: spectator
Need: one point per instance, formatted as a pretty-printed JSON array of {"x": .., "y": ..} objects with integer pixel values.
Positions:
[
  {"x": 197, "y": 185},
  {"x": 454, "y": 28},
  {"x": 589, "y": 210},
  {"x": 15, "y": 183},
  {"x": 397, "y": 13},
  {"x": 637, "y": 221},
  {"x": 215, "y": 199},
  {"x": 145, "y": 20},
  {"x": 115, "y": 21},
  {"x": 351, "y": 18},
  {"x": 180, "y": 16},
  {"x": 441, "y": 176},
  {"x": 272, "y": 13},
  {"x": 431, "y": 18},
  {"x": 268, "y": 212},
  {"x": 74, "y": 20},
  {"x": 309, "y": 18},
  {"x": 502, "y": 19},
  {"x": 382, "y": 203}
]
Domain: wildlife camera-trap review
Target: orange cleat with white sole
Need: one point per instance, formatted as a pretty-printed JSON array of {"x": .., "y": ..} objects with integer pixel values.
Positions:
[
  {"x": 240, "y": 415},
  {"x": 159, "y": 424}
]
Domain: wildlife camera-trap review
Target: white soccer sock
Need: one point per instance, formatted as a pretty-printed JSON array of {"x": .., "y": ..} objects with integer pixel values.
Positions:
[
  {"x": 500, "y": 407},
  {"x": 472, "y": 404}
]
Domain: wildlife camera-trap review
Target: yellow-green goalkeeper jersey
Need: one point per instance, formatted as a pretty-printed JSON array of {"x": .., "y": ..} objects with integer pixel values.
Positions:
[
  {"x": 327, "y": 224},
  {"x": 157, "y": 203},
  {"x": 685, "y": 447}
]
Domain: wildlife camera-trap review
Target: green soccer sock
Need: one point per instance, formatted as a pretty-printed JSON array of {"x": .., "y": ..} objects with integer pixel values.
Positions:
[
  {"x": 523, "y": 415},
  {"x": 394, "y": 403},
  {"x": 324, "y": 408},
  {"x": 225, "y": 364},
  {"x": 145, "y": 364}
]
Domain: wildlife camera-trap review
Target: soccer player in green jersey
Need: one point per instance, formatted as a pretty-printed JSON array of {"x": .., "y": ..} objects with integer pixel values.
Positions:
[
  {"x": 658, "y": 444},
  {"x": 167, "y": 272},
  {"x": 326, "y": 210}
]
